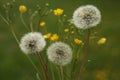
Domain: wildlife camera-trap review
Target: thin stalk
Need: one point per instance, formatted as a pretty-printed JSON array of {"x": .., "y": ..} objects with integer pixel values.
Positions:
[
  {"x": 31, "y": 24},
  {"x": 38, "y": 77},
  {"x": 14, "y": 35},
  {"x": 84, "y": 55},
  {"x": 60, "y": 24},
  {"x": 21, "y": 17},
  {"x": 61, "y": 72},
  {"x": 32, "y": 63},
  {"x": 4, "y": 19},
  {"x": 43, "y": 66},
  {"x": 58, "y": 70},
  {"x": 52, "y": 72}
]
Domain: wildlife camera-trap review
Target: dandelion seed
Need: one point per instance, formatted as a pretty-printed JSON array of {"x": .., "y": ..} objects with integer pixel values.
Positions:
[
  {"x": 101, "y": 41},
  {"x": 58, "y": 12},
  {"x": 86, "y": 17},
  {"x": 32, "y": 43},
  {"x": 59, "y": 53},
  {"x": 78, "y": 41},
  {"x": 54, "y": 37},
  {"x": 42, "y": 24},
  {"x": 22, "y": 8}
]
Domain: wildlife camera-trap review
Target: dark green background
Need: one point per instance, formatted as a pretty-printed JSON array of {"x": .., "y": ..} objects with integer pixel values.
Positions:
[{"x": 105, "y": 59}]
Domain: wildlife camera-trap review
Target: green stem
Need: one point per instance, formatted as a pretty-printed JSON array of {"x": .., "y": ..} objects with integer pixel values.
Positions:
[
  {"x": 84, "y": 55},
  {"x": 52, "y": 71},
  {"x": 31, "y": 24},
  {"x": 38, "y": 77},
  {"x": 32, "y": 63},
  {"x": 61, "y": 72},
  {"x": 60, "y": 26},
  {"x": 21, "y": 17},
  {"x": 4, "y": 19},
  {"x": 14, "y": 35}
]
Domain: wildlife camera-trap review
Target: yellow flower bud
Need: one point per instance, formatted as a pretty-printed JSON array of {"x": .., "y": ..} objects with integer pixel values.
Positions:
[
  {"x": 101, "y": 41},
  {"x": 58, "y": 12},
  {"x": 66, "y": 30},
  {"x": 78, "y": 41},
  {"x": 22, "y": 8},
  {"x": 42, "y": 24},
  {"x": 72, "y": 32}
]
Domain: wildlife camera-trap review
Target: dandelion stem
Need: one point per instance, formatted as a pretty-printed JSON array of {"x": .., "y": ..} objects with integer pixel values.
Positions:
[
  {"x": 84, "y": 55},
  {"x": 43, "y": 66},
  {"x": 61, "y": 72}
]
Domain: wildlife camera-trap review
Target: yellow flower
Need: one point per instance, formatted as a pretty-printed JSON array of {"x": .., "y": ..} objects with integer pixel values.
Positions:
[
  {"x": 101, "y": 41},
  {"x": 22, "y": 8},
  {"x": 47, "y": 36},
  {"x": 42, "y": 24},
  {"x": 58, "y": 12},
  {"x": 72, "y": 32},
  {"x": 54, "y": 37},
  {"x": 78, "y": 41},
  {"x": 66, "y": 30}
]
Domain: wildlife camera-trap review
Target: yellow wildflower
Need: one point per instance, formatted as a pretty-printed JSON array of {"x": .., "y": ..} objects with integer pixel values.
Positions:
[
  {"x": 47, "y": 36},
  {"x": 58, "y": 12},
  {"x": 78, "y": 41},
  {"x": 42, "y": 24},
  {"x": 66, "y": 30},
  {"x": 72, "y": 32},
  {"x": 101, "y": 41},
  {"x": 54, "y": 37},
  {"x": 22, "y": 8}
]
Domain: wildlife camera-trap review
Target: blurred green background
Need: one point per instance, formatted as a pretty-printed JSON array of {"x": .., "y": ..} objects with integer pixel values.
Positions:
[{"x": 105, "y": 59}]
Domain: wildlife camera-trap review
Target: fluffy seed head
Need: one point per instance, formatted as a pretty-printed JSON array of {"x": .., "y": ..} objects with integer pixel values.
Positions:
[
  {"x": 86, "y": 17},
  {"x": 59, "y": 53},
  {"x": 32, "y": 43}
]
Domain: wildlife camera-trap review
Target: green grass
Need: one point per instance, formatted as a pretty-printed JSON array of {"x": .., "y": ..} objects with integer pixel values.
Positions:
[{"x": 14, "y": 65}]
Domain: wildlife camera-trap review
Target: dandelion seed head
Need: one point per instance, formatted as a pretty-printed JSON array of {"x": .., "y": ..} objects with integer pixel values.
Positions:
[
  {"x": 59, "y": 53},
  {"x": 86, "y": 17},
  {"x": 32, "y": 43}
]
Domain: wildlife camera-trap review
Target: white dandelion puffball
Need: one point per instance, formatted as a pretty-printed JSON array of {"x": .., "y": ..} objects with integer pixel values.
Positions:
[
  {"x": 86, "y": 17},
  {"x": 32, "y": 43},
  {"x": 59, "y": 53}
]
